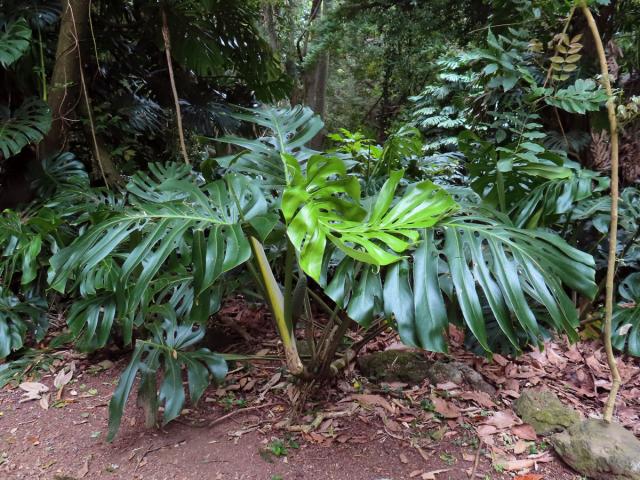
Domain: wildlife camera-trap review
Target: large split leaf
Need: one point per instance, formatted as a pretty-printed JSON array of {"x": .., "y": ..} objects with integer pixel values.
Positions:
[
  {"x": 15, "y": 38},
  {"x": 287, "y": 132},
  {"x": 28, "y": 124},
  {"x": 170, "y": 348},
  {"x": 324, "y": 206},
  {"x": 482, "y": 267},
  {"x": 173, "y": 220}
]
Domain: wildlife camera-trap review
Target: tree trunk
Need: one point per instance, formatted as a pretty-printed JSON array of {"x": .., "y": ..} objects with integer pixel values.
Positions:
[
  {"x": 64, "y": 88},
  {"x": 68, "y": 91},
  {"x": 268, "y": 16},
  {"x": 315, "y": 80}
]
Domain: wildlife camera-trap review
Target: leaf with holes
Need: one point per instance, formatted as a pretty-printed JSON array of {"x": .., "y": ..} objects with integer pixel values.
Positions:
[{"x": 28, "y": 124}]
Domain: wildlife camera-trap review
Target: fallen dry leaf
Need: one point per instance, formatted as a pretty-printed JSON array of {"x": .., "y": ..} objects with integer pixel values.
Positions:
[
  {"x": 44, "y": 402},
  {"x": 432, "y": 475},
  {"x": 520, "y": 447},
  {"x": 486, "y": 430},
  {"x": 447, "y": 386},
  {"x": 503, "y": 419},
  {"x": 524, "y": 431},
  {"x": 34, "y": 387},
  {"x": 62, "y": 379},
  {"x": 373, "y": 401},
  {"x": 468, "y": 457},
  {"x": 403, "y": 458},
  {"x": 529, "y": 476},
  {"x": 84, "y": 469},
  {"x": 515, "y": 465},
  {"x": 444, "y": 408},
  {"x": 481, "y": 398},
  {"x": 34, "y": 391}
]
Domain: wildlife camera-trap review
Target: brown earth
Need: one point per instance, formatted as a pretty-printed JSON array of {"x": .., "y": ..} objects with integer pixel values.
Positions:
[
  {"x": 348, "y": 430},
  {"x": 67, "y": 441}
]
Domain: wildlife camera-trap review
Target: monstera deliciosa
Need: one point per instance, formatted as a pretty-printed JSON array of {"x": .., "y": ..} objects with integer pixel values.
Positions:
[
  {"x": 409, "y": 256},
  {"x": 324, "y": 205}
]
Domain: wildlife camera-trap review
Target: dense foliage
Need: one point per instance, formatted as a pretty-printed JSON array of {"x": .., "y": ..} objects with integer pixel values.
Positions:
[{"x": 465, "y": 182}]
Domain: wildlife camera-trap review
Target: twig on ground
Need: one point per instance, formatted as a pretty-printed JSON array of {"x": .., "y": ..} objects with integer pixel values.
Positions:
[
  {"x": 476, "y": 460},
  {"x": 240, "y": 410},
  {"x": 155, "y": 449}
]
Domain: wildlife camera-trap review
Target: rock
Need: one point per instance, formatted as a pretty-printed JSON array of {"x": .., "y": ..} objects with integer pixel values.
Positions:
[
  {"x": 544, "y": 411},
  {"x": 413, "y": 368},
  {"x": 394, "y": 366},
  {"x": 460, "y": 374},
  {"x": 105, "y": 364},
  {"x": 600, "y": 450}
]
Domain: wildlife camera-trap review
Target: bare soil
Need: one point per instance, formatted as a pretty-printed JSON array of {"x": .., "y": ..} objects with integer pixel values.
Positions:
[
  {"x": 68, "y": 442},
  {"x": 348, "y": 430}
]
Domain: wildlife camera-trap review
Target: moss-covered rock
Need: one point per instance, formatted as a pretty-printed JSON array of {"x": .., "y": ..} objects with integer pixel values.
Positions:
[
  {"x": 600, "y": 450},
  {"x": 394, "y": 366},
  {"x": 544, "y": 411}
]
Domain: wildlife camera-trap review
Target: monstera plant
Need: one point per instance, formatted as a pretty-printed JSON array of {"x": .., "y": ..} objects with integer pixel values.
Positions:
[{"x": 410, "y": 256}]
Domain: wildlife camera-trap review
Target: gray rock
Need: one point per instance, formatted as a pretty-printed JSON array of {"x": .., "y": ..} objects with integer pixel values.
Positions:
[
  {"x": 105, "y": 364},
  {"x": 460, "y": 374},
  {"x": 413, "y": 368},
  {"x": 600, "y": 450},
  {"x": 544, "y": 411},
  {"x": 394, "y": 366}
]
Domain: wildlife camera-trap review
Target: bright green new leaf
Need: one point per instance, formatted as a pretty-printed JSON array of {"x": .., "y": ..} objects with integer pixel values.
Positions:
[{"x": 324, "y": 206}]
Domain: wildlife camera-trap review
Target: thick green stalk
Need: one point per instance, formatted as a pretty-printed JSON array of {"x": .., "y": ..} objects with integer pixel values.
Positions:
[
  {"x": 288, "y": 284},
  {"x": 277, "y": 304}
]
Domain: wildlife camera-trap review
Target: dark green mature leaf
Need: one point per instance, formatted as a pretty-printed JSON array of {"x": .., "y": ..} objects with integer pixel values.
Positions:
[
  {"x": 172, "y": 217},
  {"x": 170, "y": 348},
  {"x": 60, "y": 172},
  {"x": 324, "y": 206},
  {"x": 546, "y": 202},
  {"x": 482, "y": 265},
  {"x": 28, "y": 124},
  {"x": 214, "y": 37},
  {"x": 15, "y": 39},
  {"x": 289, "y": 130},
  {"x": 90, "y": 321},
  {"x": 17, "y": 318},
  {"x": 514, "y": 268},
  {"x": 626, "y": 316}
]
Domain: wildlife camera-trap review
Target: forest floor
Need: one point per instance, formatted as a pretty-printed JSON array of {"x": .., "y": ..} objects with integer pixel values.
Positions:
[{"x": 350, "y": 430}]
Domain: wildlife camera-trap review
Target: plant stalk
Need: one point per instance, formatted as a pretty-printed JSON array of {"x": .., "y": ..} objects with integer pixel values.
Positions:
[
  {"x": 613, "y": 229},
  {"x": 276, "y": 302}
]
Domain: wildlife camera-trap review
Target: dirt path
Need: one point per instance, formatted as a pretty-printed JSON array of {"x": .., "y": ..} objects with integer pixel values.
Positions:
[
  {"x": 67, "y": 441},
  {"x": 352, "y": 430}
]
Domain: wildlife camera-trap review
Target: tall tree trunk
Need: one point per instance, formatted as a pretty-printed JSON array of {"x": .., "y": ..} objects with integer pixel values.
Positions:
[
  {"x": 64, "y": 89},
  {"x": 315, "y": 80},
  {"x": 268, "y": 16},
  {"x": 68, "y": 90}
]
